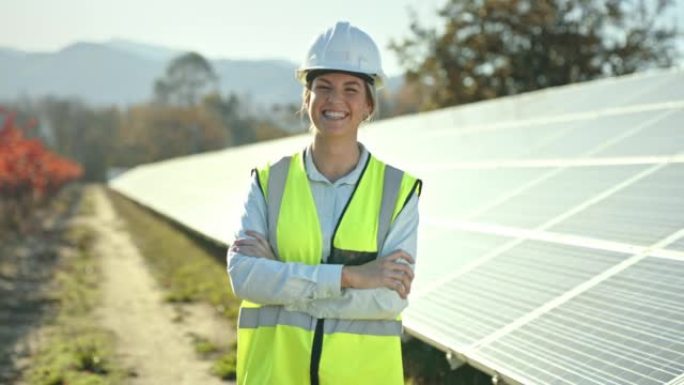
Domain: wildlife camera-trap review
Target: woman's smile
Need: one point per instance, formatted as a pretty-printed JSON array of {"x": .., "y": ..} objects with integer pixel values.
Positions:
[{"x": 334, "y": 115}]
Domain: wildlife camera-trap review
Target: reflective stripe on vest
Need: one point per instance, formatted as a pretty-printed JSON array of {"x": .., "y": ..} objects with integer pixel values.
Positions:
[
  {"x": 286, "y": 347},
  {"x": 268, "y": 316}
]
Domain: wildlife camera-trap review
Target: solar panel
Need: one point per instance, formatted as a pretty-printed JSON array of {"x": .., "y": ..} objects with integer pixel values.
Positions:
[
  {"x": 553, "y": 196},
  {"x": 677, "y": 245},
  {"x": 670, "y": 88},
  {"x": 467, "y": 191},
  {"x": 663, "y": 137},
  {"x": 626, "y": 330},
  {"x": 610, "y": 94},
  {"x": 646, "y": 210},
  {"x": 202, "y": 192},
  {"x": 551, "y": 247},
  {"x": 677, "y": 381},
  {"x": 594, "y": 134},
  {"x": 439, "y": 260},
  {"x": 479, "y": 299}
]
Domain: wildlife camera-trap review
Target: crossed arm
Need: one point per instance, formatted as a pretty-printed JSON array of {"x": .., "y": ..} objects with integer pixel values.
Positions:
[{"x": 376, "y": 290}]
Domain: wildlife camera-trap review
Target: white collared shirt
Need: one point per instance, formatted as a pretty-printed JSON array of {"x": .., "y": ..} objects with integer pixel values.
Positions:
[{"x": 316, "y": 289}]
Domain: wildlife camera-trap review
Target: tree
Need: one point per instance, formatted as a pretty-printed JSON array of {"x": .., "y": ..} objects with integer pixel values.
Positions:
[
  {"x": 491, "y": 48},
  {"x": 187, "y": 78},
  {"x": 80, "y": 132},
  {"x": 228, "y": 110},
  {"x": 29, "y": 173}
]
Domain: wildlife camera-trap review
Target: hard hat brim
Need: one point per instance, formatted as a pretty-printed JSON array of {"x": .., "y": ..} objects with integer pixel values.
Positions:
[
  {"x": 311, "y": 75},
  {"x": 305, "y": 76}
]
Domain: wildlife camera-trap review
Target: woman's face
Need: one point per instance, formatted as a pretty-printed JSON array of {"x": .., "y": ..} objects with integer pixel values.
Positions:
[{"x": 337, "y": 104}]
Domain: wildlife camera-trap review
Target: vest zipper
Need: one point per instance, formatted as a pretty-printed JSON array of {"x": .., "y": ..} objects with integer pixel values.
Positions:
[
  {"x": 316, "y": 351},
  {"x": 317, "y": 348}
]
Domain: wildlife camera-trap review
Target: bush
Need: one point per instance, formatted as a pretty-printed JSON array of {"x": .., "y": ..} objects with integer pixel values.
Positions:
[{"x": 29, "y": 173}]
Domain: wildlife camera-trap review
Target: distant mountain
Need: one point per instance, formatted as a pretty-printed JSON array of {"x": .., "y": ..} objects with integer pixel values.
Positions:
[
  {"x": 11, "y": 52},
  {"x": 92, "y": 72},
  {"x": 148, "y": 51},
  {"x": 122, "y": 73}
]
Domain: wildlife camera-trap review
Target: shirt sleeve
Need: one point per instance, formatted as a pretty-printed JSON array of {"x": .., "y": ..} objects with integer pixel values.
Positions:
[
  {"x": 269, "y": 282},
  {"x": 380, "y": 303}
]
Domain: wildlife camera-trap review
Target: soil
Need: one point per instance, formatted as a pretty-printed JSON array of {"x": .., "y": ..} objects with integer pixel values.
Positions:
[
  {"x": 27, "y": 265},
  {"x": 155, "y": 338}
]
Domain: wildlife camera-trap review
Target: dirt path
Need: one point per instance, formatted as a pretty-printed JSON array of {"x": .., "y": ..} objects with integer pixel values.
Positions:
[{"x": 156, "y": 348}]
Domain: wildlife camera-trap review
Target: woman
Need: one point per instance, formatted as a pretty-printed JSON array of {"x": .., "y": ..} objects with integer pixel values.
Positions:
[{"x": 328, "y": 236}]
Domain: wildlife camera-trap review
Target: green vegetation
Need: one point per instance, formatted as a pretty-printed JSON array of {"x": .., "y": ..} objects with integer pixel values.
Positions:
[
  {"x": 203, "y": 346},
  {"x": 75, "y": 351},
  {"x": 225, "y": 359},
  {"x": 187, "y": 271},
  {"x": 480, "y": 50},
  {"x": 188, "y": 116},
  {"x": 225, "y": 367},
  {"x": 77, "y": 354},
  {"x": 424, "y": 364}
]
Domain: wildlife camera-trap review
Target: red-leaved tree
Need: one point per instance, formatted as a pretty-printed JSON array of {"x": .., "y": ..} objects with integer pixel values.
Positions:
[{"x": 29, "y": 173}]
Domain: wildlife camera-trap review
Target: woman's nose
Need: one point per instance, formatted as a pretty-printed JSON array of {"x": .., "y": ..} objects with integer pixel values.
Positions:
[{"x": 333, "y": 95}]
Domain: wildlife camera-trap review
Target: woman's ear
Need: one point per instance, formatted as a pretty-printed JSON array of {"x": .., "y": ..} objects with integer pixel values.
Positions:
[
  {"x": 371, "y": 108},
  {"x": 370, "y": 101}
]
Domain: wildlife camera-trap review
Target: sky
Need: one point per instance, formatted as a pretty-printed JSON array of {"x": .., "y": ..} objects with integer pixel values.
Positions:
[{"x": 217, "y": 29}]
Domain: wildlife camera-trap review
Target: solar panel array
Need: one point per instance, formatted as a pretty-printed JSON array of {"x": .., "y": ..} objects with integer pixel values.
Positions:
[{"x": 551, "y": 245}]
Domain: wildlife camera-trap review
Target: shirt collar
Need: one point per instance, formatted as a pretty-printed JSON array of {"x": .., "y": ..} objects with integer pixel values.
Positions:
[{"x": 351, "y": 178}]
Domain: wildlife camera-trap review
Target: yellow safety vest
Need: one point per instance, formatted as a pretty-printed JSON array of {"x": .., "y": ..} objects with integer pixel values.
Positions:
[{"x": 281, "y": 347}]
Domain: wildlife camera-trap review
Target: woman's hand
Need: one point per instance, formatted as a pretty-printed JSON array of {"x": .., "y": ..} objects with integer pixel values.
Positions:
[
  {"x": 257, "y": 246},
  {"x": 392, "y": 272}
]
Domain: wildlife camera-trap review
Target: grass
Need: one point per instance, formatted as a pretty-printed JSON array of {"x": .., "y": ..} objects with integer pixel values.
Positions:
[
  {"x": 203, "y": 346},
  {"x": 76, "y": 352},
  {"x": 424, "y": 364},
  {"x": 186, "y": 270},
  {"x": 226, "y": 366}
]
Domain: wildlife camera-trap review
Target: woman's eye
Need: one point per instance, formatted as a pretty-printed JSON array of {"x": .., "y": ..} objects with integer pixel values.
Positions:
[{"x": 352, "y": 90}]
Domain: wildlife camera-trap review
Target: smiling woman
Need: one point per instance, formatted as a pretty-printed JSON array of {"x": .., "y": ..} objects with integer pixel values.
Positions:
[{"x": 324, "y": 257}]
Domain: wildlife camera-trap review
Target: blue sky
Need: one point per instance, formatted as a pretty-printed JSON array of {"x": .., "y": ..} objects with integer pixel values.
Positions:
[{"x": 245, "y": 29}]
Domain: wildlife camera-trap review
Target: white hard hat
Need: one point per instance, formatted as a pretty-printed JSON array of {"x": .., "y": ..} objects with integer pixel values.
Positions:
[{"x": 343, "y": 48}]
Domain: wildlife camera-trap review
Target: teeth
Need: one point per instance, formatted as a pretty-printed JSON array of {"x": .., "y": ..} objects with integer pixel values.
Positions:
[{"x": 334, "y": 114}]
